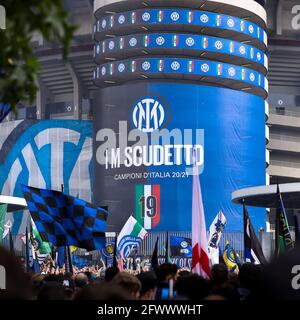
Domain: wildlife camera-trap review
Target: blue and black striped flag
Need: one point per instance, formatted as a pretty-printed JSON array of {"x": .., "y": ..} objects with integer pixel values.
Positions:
[
  {"x": 4, "y": 111},
  {"x": 64, "y": 220}
]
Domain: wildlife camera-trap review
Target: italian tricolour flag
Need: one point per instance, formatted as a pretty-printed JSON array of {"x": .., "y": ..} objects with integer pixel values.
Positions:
[
  {"x": 133, "y": 17},
  {"x": 147, "y": 205},
  {"x": 160, "y": 15},
  {"x": 146, "y": 41},
  {"x": 161, "y": 65},
  {"x": 191, "y": 66},
  {"x": 175, "y": 40},
  {"x": 205, "y": 43},
  {"x": 190, "y": 16},
  {"x": 219, "y": 69},
  {"x": 121, "y": 43},
  {"x": 130, "y": 236}
]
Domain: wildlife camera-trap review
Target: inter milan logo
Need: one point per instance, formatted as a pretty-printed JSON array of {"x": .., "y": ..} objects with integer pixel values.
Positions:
[
  {"x": 219, "y": 45},
  {"x": 133, "y": 42},
  {"x": 146, "y": 16},
  {"x": 103, "y": 71},
  {"x": 111, "y": 45},
  {"x": 231, "y": 72},
  {"x": 190, "y": 41},
  {"x": 252, "y": 77},
  {"x": 258, "y": 56},
  {"x": 175, "y": 16},
  {"x": 230, "y": 23},
  {"x": 242, "y": 50},
  {"x": 160, "y": 41},
  {"x": 205, "y": 67},
  {"x": 204, "y": 18},
  {"x": 146, "y": 65},
  {"x": 148, "y": 115},
  {"x": 121, "y": 67},
  {"x": 121, "y": 19},
  {"x": 175, "y": 65}
]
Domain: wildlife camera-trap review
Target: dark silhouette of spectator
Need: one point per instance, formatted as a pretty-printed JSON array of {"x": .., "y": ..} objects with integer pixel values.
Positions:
[
  {"x": 219, "y": 275},
  {"x": 17, "y": 283},
  {"x": 227, "y": 291},
  {"x": 149, "y": 282},
  {"x": 52, "y": 290},
  {"x": 110, "y": 273},
  {"x": 81, "y": 280},
  {"x": 165, "y": 273},
  {"x": 103, "y": 291},
  {"x": 250, "y": 278},
  {"x": 129, "y": 283},
  {"x": 193, "y": 287}
]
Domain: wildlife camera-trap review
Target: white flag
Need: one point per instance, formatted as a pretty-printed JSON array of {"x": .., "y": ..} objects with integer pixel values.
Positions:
[
  {"x": 130, "y": 237},
  {"x": 7, "y": 227},
  {"x": 200, "y": 260},
  {"x": 215, "y": 232}
]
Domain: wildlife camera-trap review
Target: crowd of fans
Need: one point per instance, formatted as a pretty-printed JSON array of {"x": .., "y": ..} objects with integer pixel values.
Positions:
[{"x": 165, "y": 283}]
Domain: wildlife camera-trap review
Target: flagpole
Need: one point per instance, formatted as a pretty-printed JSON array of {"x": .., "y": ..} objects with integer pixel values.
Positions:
[
  {"x": 244, "y": 220},
  {"x": 167, "y": 248},
  {"x": 115, "y": 262},
  {"x": 27, "y": 251},
  {"x": 277, "y": 221},
  {"x": 68, "y": 256}
]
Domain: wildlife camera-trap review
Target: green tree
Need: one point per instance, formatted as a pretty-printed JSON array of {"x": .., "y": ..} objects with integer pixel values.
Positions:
[{"x": 18, "y": 64}]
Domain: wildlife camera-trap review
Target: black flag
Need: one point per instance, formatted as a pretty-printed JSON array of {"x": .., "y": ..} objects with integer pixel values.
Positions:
[
  {"x": 253, "y": 250},
  {"x": 115, "y": 261},
  {"x": 11, "y": 243},
  {"x": 154, "y": 259}
]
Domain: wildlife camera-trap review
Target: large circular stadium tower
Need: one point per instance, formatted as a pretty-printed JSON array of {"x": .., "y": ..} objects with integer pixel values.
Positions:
[{"x": 196, "y": 69}]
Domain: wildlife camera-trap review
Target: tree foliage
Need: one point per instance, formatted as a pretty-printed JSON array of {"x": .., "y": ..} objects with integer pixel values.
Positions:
[{"x": 18, "y": 64}]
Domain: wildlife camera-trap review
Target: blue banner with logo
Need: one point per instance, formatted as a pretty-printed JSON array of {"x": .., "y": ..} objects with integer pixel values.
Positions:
[
  {"x": 45, "y": 154},
  {"x": 149, "y": 175}
]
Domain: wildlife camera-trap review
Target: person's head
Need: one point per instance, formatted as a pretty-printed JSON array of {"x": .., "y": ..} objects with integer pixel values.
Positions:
[
  {"x": 81, "y": 280},
  {"x": 103, "y": 291},
  {"x": 129, "y": 283},
  {"x": 110, "y": 273},
  {"x": 192, "y": 287},
  {"x": 250, "y": 277},
  {"x": 89, "y": 276},
  {"x": 226, "y": 291},
  {"x": 148, "y": 281},
  {"x": 52, "y": 291},
  {"x": 37, "y": 281},
  {"x": 16, "y": 282},
  {"x": 166, "y": 272},
  {"x": 219, "y": 274}
]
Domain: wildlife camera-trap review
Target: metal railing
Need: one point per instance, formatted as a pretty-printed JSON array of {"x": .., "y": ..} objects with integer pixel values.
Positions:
[
  {"x": 287, "y": 164},
  {"x": 284, "y": 137},
  {"x": 284, "y": 111}
]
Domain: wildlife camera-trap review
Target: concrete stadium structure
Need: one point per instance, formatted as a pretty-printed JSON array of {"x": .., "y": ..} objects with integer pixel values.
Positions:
[{"x": 66, "y": 88}]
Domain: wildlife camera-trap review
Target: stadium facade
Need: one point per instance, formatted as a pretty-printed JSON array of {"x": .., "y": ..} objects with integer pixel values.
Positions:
[{"x": 67, "y": 90}]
